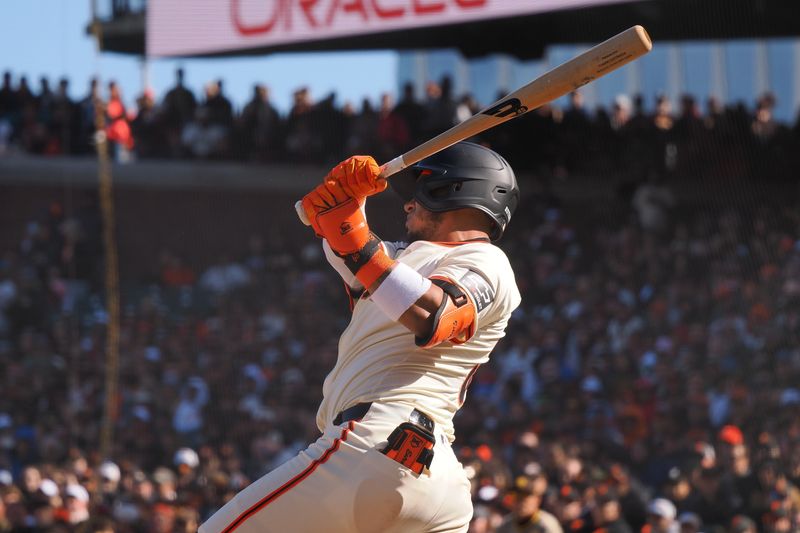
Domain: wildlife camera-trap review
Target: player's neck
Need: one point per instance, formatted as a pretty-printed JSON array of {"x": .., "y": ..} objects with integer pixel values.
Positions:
[
  {"x": 456, "y": 235},
  {"x": 461, "y": 225}
]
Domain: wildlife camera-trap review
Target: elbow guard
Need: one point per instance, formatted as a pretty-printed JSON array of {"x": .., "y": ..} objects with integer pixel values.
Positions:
[{"x": 454, "y": 320}]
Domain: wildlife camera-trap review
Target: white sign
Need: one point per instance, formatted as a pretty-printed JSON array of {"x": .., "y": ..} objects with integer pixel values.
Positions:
[{"x": 186, "y": 27}]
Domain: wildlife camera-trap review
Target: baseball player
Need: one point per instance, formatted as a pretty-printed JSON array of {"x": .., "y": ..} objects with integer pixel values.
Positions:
[{"x": 428, "y": 312}]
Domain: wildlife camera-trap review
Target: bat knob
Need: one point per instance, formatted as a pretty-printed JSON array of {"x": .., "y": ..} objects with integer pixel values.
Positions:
[{"x": 301, "y": 213}]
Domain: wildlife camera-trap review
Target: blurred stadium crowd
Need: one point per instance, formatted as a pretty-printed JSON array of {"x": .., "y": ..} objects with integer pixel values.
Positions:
[
  {"x": 630, "y": 137},
  {"x": 649, "y": 381}
]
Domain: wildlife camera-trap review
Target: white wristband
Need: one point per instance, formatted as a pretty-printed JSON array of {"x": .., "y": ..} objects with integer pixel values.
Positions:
[{"x": 401, "y": 288}]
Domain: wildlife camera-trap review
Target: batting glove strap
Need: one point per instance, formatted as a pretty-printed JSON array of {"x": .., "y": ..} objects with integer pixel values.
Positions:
[
  {"x": 356, "y": 261},
  {"x": 375, "y": 270},
  {"x": 370, "y": 264}
]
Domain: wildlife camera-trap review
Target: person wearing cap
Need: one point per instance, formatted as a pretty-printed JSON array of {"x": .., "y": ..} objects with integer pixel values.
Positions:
[
  {"x": 607, "y": 513},
  {"x": 186, "y": 457},
  {"x": 728, "y": 437},
  {"x": 109, "y": 480},
  {"x": 143, "y": 490},
  {"x": 679, "y": 489},
  {"x": 41, "y": 504},
  {"x": 731, "y": 435},
  {"x": 76, "y": 501},
  {"x": 186, "y": 462},
  {"x": 166, "y": 484},
  {"x": 526, "y": 515},
  {"x": 690, "y": 522},
  {"x": 49, "y": 490},
  {"x": 109, "y": 471},
  {"x": 661, "y": 517},
  {"x": 110, "y": 489}
]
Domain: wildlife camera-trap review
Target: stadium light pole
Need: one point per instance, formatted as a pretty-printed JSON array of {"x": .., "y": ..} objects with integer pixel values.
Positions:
[{"x": 106, "y": 193}]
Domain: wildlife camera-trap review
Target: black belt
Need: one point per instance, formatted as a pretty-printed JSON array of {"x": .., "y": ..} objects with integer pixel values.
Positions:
[{"x": 358, "y": 411}]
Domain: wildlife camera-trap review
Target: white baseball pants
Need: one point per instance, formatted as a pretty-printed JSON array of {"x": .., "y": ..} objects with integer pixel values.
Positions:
[{"x": 342, "y": 484}]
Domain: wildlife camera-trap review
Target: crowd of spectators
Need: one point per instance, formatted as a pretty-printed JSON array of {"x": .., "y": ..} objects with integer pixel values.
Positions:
[
  {"x": 648, "y": 382},
  {"x": 630, "y": 138}
]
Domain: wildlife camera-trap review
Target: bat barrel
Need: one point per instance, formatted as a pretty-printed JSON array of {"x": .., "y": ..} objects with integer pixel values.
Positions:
[{"x": 565, "y": 78}]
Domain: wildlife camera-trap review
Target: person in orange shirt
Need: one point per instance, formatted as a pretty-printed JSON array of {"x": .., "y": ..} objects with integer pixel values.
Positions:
[{"x": 118, "y": 130}]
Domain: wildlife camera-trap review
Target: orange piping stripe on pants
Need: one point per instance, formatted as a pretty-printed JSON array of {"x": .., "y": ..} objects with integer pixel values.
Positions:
[{"x": 275, "y": 494}]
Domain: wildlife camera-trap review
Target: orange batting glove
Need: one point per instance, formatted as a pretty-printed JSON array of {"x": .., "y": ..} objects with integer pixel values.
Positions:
[
  {"x": 337, "y": 217},
  {"x": 358, "y": 176}
]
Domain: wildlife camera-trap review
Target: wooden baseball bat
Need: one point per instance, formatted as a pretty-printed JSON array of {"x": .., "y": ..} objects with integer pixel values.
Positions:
[{"x": 569, "y": 76}]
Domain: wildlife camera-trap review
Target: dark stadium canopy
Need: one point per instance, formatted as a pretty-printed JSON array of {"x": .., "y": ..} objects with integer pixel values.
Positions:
[{"x": 527, "y": 36}]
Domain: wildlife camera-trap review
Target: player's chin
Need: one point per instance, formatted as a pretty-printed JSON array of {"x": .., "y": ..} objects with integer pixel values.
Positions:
[
  {"x": 413, "y": 236},
  {"x": 417, "y": 232},
  {"x": 420, "y": 228},
  {"x": 410, "y": 231}
]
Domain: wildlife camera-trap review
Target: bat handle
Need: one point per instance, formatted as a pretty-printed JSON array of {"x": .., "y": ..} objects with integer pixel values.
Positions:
[
  {"x": 392, "y": 167},
  {"x": 301, "y": 213}
]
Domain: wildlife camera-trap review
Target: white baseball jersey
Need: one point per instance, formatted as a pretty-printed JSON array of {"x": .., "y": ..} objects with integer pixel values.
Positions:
[
  {"x": 342, "y": 482},
  {"x": 378, "y": 359}
]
